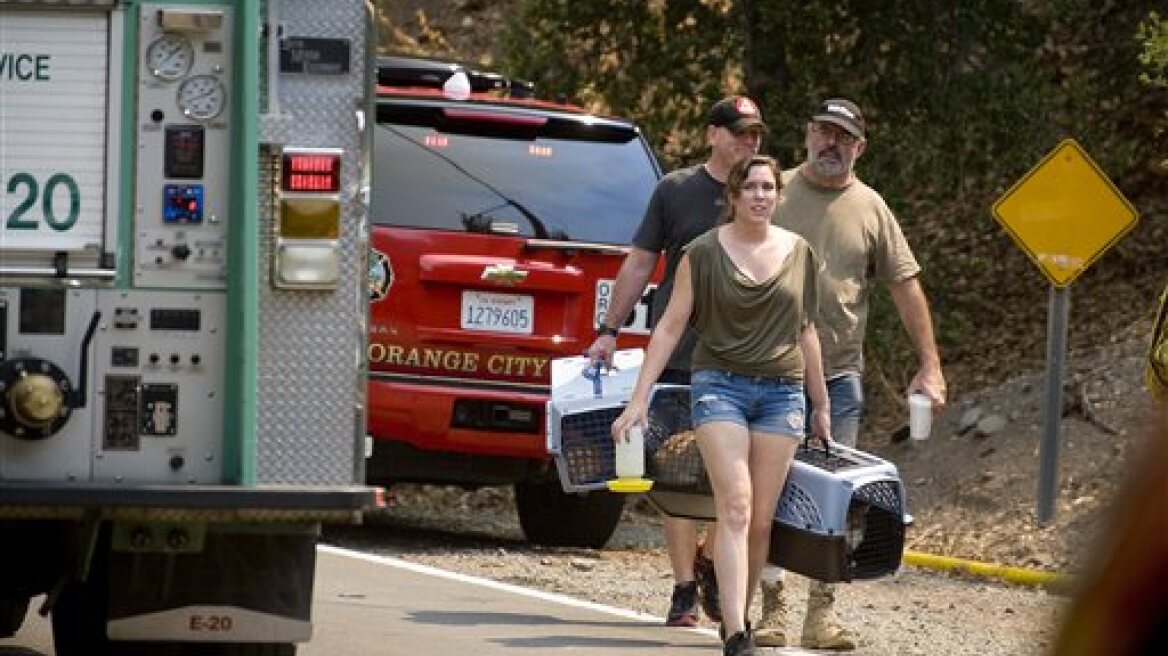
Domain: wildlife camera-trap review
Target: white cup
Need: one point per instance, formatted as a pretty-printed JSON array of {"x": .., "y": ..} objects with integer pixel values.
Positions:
[
  {"x": 630, "y": 454},
  {"x": 920, "y": 416}
]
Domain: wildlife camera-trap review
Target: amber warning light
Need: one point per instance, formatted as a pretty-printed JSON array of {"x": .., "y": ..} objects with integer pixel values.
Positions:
[{"x": 312, "y": 172}]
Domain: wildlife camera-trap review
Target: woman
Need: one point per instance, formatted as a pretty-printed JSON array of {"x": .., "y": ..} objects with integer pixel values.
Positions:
[{"x": 748, "y": 288}]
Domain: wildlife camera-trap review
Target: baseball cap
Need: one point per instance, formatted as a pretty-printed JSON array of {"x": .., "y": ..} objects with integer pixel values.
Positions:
[
  {"x": 735, "y": 113},
  {"x": 843, "y": 113}
]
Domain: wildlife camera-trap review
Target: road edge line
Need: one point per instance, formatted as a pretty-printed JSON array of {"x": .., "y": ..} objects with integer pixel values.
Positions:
[{"x": 498, "y": 585}]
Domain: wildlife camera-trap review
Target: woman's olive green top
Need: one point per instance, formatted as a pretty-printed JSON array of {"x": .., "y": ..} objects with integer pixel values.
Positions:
[{"x": 747, "y": 327}]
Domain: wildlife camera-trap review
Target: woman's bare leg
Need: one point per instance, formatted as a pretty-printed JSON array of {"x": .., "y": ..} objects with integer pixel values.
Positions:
[
  {"x": 770, "y": 460},
  {"x": 725, "y": 448}
]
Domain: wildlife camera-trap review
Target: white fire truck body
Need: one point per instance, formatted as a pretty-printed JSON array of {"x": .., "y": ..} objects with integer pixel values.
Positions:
[{"x": 183, "y": 301}]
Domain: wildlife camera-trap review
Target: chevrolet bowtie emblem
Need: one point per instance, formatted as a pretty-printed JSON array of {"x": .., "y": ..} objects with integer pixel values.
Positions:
[{"x": 504, "y": 274}]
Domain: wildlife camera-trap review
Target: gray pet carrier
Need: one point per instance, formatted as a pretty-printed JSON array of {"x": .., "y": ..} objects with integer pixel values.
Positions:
[{"x": 841, "y": 516}]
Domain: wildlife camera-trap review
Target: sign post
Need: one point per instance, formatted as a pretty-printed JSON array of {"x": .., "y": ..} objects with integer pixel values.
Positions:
[
  {"x": 1064, "y": 214},
  {"x": 1056, "y": 348}
]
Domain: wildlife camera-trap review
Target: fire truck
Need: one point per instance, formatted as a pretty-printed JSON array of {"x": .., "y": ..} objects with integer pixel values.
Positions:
[
  {"x": 183, "y": 302},
  {"x": 499, "y": 224}
]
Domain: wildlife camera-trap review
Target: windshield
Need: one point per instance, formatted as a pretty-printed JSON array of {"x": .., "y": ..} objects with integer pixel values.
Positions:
[{"x": 492, "y": 181}]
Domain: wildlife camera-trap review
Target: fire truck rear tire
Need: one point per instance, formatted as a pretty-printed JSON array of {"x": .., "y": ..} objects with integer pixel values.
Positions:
[
  {"x": 553, "y": 518},
  {"x": 78, "y": 620},
  {"x": 12, "y": 612}
]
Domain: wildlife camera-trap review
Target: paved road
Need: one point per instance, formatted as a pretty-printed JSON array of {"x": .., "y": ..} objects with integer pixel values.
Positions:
[{"x": 373, "y": 605}]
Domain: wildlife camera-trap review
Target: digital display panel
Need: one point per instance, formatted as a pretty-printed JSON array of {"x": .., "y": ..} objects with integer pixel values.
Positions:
[
  {"x": 174, "y": 319},
  {"x": 185, "y": 146},
  {"x": 308, "y": 171}
]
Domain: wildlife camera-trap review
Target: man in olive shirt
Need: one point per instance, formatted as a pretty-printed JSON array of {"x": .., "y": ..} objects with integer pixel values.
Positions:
[{"x": 860, "y": 243}]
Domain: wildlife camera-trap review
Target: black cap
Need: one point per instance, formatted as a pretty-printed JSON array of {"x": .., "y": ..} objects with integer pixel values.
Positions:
[
  {"x": 843, "y": 113},
  {"x": 735, "y": 113}
]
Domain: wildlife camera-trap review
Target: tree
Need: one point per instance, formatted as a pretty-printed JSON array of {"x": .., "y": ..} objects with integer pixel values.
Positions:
[
  {"x": 1153, "y": 33},
  {"x": 962, "y": 99}
]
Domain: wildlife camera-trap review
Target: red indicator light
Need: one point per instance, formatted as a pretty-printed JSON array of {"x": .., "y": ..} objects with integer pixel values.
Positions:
[
  {"x": 436, "y": 141},
  {"x": 539, "y": 151},
  {"x": 311, "y": 171},
  {"x": 311, "y": 163},
  {"x": 310, "y": 182}
]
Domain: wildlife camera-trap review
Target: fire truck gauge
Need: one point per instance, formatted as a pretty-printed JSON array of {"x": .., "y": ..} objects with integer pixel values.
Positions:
[
  {"x": 202, "y": 97},
  {"x": 170, "y": 56}
]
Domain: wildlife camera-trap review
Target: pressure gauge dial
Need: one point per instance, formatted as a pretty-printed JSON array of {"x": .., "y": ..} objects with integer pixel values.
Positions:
[
  {"x": 170, "y": 56},
  {"x": 202, "y": 97}
]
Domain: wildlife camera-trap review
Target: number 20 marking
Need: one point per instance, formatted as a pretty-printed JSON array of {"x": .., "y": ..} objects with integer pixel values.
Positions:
[
  {"x": 210, "y": 623},
  {"x": 30, "y": 189}
]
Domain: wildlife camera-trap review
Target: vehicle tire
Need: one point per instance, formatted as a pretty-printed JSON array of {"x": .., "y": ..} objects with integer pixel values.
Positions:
[
  {"x": 12, "y": 612},
  {"x": 78, "y": 619},
  {"x": 553, "y": 518}
]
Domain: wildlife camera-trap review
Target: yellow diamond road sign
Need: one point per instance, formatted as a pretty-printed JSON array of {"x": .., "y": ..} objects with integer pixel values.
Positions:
[{"x": 1065, "y": 213}]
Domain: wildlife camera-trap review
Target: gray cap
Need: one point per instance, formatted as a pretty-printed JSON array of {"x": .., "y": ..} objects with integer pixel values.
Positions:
[{"x": 843, "y": 113}]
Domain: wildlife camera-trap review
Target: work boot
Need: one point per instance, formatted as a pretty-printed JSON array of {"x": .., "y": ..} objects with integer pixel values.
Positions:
[
  {"x": 821, "y": 626},
  {"x": 683, "y": 606},
  {"x": 707, "y": 580},
  {"x": 771, "y": 630}
]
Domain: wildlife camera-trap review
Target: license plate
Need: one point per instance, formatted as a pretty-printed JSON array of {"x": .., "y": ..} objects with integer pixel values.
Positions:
[
  {"x": 638, "y": 321},
  {"x": 498, "y": 313}
]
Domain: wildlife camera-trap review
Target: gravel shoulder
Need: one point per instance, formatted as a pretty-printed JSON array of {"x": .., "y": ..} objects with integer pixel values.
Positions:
[
  {"x": 972, "y": 494},
  {"x": 915, "y": 612}
]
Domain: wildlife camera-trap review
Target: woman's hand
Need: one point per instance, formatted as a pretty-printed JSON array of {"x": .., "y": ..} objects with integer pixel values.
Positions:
[
  {"x": 635, "y": 414},
  {"x": 821, "y": 425}
]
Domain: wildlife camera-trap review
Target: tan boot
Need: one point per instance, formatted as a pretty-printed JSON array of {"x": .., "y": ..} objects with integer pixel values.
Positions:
[
  {"x": 771, "y": 629},
  {"x": 821, "y": 627}
]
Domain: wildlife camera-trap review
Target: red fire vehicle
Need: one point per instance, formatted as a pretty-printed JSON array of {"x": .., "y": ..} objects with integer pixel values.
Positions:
[{"x": 499, "y": 224}]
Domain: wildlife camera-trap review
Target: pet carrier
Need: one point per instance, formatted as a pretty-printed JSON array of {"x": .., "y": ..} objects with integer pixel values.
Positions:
[
  {"x": 841, "y": 516},
  {"x": 584, "y": 402}
]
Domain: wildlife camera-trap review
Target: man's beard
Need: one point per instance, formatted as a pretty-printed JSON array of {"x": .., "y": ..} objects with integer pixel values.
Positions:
[{"x": 831, "y": 166}]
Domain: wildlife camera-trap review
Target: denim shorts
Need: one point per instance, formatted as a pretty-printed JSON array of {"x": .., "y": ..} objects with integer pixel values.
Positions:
[
  {"x": 846, "y": 394},
  {"x": 761, "y": 404}
]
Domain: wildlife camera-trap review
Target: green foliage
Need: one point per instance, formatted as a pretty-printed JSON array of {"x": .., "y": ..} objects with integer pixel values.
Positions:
[
  {"x": 661, "y": 62},
  {"x": 962, "y": 99},
  {"x": 1153, "y": 33}
]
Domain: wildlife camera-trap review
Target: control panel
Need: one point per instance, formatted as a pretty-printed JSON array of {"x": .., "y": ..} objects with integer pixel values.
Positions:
[
  {"x": 183, "y": 124},
  {"x": 114, "y": 386}
]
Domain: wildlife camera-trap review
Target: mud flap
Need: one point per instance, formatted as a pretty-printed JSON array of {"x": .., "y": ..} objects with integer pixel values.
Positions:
[{"x": 243, "y": 586}]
